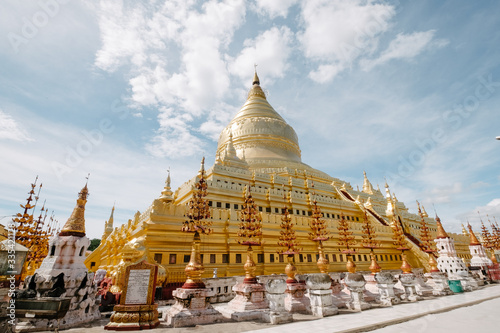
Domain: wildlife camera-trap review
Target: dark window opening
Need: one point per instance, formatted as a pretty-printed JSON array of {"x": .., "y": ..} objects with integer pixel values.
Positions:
[
  {"x": 268, "y": 209},
  {"x": 225, "y": 258},
  {"x": 309, "y": 258},
  {"x": 186, "y": 257},
  {"x": 238, "y": 258},
  {"x": 281, "y": 258},
  {"x": 172, "y": 259},
  {"x": 235, "y": 206},
  {"x": 219, "y": 204},
  {"x": 228, "y": 205},
  {"x": 210, "y": 203},
  {"x": 271, "y": 257},
  {"x": 260, "y": 258},
  {"x": 158, "y": 257},
  {"x": 301, "y": 257},
  {"x": 212, "y": 258},
  {"x": 53, "y": 250}
]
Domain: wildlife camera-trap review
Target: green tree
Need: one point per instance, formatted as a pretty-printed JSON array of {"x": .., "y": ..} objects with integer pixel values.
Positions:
[{"x": 94, "y": 243}]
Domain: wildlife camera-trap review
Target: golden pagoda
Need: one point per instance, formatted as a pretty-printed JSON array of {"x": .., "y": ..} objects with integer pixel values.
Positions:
[{"x": 258, "y": 147}]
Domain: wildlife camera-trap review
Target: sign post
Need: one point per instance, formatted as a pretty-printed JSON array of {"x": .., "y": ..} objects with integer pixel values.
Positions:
[{"x": 136, "y": 310}]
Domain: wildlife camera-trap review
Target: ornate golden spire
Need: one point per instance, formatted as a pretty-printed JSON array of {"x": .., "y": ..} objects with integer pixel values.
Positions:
[
  {"x": 166, "y": 194},
  {"x": 75, "y": 226},
  {"x": 256, "y": 80},
  {"x": 464, "y": 231},
  {"x": 367, "y": 186},
  {"x": 441, "y": 233},
  {"x": 108, "y": 227},
  {"x": 256, "y": 90},
  {"x": 473, "y": 238}
]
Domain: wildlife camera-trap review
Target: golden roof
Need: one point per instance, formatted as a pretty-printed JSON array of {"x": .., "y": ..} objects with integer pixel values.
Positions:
[
  {"x": 441, "y": 233},
  {"x": 75, "y": 226}
]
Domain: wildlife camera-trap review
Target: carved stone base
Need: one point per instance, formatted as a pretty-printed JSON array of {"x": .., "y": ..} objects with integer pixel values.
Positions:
[
  {"x": 320, "y": 294},
  {"x": 133, "y": 317},
  {"x": 192, "y": 307},
  {"x": 296, "y": 300},
  {"x": 276, "y": 295},
  {"x": 385, "y": 284},
  {"x": 248, "y": 304},
  {"x": 371, "y": 293},
  {"x": 408, "y": 280},
  {"x": 439, "y": 283},
  {"x": 355, "y": 282}
]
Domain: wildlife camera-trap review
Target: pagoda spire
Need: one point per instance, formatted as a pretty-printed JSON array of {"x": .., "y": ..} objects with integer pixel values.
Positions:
[
  {"x": 464, "y": 231},
  {"x": 75, "y": 225},
  {"x": 256, "y": 90},
  {"x": 473, "y": 238},
  {"x": 166, "y": 194},
  {"x": 256, "y": 80},
  {"x": 108, "y": 226},
  {"x": 367, "y": 186},
  {"x": 441, "y": 233}
]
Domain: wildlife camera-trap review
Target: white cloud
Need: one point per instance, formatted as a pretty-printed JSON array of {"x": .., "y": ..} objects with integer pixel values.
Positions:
[
  {"x": 270, "y": 50},
  {"x": 406, "y": 46},
  {"x": 337, "y": 32},
  {"x": 171, "y": 34},
  {"x": 11, "y": 130},
  {"x": 274, "y": 8}
]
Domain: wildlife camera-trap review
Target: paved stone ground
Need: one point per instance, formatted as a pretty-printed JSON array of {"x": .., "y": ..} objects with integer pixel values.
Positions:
[{"x": 467, "y": 312}]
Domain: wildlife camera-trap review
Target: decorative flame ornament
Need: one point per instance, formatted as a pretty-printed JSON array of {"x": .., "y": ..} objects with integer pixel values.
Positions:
[
  {"x": 250, "y": 233},
  {"x": 198, "y": 213}
]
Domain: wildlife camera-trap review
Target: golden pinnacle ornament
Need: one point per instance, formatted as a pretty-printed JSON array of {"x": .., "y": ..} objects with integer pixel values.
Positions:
[
  {"x": 198, "y": 213},
  {"x": 369, "y": 241},
  {"x": 288, "y": 241},
  {"x": 400, "y": 241},
  {"x": 426, "y": 239},
  {"x": 319, "y": 234},
  {"x": 488, "y": 241},
  {"x": 250, "y": 233},
  {"x": 346, "y": 240}
]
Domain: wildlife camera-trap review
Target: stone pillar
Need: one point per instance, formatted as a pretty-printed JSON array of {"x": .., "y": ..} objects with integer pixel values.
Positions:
[
  {"x": 296, "y": 300},
  {"x": 409, "y": 281},
  {"x": 320, "y": 294},
  {"x": 276, "y": 295},
  {"x": 439, "y": 283},
  {"x": 385, "y": 283},
  {"x": 355, "y": 282},
  {"x": 192, "y": 307}
]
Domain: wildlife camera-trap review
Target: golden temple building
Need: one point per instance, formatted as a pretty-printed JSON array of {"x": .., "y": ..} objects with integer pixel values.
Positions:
[{"x": 259, "y": 149}]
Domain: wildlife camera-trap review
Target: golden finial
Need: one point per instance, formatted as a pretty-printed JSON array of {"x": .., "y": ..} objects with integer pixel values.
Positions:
[
  {"x": 256, "y": 80},
  {"x": 473, "y": 238},
  {"x": 441, "y": 233},
  {"x": 75, "y": 225},
  {"x": 464, "y": 231}
]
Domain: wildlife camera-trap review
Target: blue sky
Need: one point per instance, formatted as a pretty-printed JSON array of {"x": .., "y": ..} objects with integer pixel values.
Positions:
[{"x": 125, "y": 90}]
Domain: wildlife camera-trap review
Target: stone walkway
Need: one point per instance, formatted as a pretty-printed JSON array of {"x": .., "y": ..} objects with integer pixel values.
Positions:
[{"x": 476, "y": 309}]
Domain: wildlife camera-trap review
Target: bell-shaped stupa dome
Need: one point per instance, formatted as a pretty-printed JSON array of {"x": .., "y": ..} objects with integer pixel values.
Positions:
[{"x": 260, "y": 135}]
